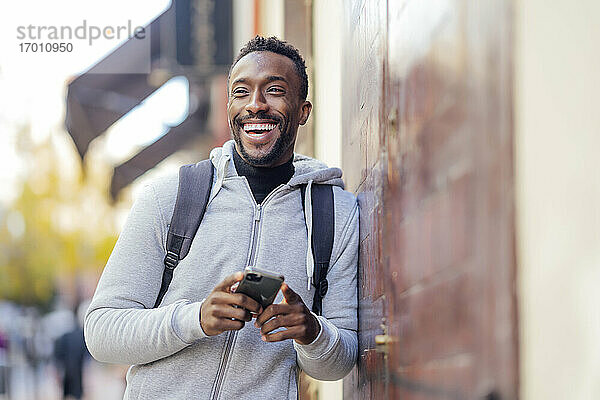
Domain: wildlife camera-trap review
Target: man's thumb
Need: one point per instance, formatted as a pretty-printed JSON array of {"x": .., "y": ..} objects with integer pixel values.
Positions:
[
  {"x": 225, "y": 284},
  {"x": 288, "y": 294}
]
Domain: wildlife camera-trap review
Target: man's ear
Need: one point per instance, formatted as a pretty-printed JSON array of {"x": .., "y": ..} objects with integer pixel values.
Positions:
[{"x": 305, "y": 112}]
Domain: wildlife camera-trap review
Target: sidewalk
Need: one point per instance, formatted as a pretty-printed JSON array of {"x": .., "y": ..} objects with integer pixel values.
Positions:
[{"x": 101, "y": 382}]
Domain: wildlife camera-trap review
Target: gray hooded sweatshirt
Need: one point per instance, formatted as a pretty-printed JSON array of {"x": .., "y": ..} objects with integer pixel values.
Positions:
[{"x": 171, "y": 356}]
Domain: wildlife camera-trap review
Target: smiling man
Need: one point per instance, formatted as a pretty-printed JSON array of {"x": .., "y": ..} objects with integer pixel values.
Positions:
[
  {"x": 267, "y": 102},
  {"x": 200, "y": 342}
]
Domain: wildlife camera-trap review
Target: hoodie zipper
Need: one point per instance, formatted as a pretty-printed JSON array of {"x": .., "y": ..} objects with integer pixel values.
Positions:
[
  {"x": 221, "y": 371},
  {"x": 232, "y": 335},
  {"x": 257, "y": 219}
]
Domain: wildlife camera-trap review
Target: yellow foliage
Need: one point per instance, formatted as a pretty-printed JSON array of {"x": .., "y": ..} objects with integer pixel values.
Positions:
[{"x": 60, "y": 237}]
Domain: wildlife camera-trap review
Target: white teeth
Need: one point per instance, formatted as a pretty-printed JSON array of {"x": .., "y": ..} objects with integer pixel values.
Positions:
[{"x": 259, "y": 127}]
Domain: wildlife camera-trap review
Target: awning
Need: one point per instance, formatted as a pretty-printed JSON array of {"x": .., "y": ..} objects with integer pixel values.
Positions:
[
  {"x": 150, "y": 156},
  {"x": 97, "y": 99}
]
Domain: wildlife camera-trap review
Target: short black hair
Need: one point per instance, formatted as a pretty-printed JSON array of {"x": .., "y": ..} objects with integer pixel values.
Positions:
[{"x": 277, "y": 46}]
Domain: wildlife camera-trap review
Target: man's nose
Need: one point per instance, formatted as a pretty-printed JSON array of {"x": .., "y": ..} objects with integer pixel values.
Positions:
[{"x": 257, "y": 103}]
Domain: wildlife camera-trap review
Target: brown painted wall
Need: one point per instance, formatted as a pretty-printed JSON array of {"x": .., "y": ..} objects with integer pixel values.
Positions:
[{"x": 427, "y": 144}]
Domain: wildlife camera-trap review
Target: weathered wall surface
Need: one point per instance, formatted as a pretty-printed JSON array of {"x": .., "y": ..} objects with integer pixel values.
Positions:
[{"x": 427, "y": 144}]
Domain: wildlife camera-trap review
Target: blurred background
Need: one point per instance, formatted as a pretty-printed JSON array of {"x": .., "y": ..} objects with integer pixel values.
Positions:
[{"x": 468, "y": 131}]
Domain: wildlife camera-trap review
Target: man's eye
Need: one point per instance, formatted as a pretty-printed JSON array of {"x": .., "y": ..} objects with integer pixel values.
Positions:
[
  {"x": 277, "y": 90},
  {"x": 240, "y": 92}
]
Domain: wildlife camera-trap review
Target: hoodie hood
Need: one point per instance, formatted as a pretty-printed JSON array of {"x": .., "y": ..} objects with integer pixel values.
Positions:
[{"x": 307, "y": 171}]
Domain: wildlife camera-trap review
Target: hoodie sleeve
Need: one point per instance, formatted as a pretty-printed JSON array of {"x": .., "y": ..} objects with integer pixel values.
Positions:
[
  {"x": 333, "y": 353},
  {"x": 120, "y": 325}
]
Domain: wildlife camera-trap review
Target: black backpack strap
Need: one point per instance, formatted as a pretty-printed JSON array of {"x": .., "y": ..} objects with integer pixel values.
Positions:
[
  {"x": 323, "y": 218},
  {"x": 195, "y": 182}
]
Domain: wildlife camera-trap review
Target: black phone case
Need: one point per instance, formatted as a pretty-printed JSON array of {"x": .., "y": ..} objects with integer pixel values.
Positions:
[{"x": 263, "y": 291}]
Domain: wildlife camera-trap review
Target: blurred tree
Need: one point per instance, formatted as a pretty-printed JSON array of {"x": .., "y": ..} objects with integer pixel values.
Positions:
[{"x": 59, "y": 226}]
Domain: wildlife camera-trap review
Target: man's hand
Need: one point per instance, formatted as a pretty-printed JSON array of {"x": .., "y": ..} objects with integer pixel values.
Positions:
[
  {"x": 292, "y": 313},
  {"x": 218, "y": 312}
]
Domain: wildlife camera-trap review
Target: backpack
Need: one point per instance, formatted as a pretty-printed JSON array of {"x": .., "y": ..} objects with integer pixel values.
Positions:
[{"x": 195, "y": 182}]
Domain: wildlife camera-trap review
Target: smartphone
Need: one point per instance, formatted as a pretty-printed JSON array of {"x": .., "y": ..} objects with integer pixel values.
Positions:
[{"x": 261, "y": 285}]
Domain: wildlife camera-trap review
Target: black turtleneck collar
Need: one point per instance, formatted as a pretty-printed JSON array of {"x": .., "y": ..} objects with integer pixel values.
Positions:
[{"x": 263, "y": 180}]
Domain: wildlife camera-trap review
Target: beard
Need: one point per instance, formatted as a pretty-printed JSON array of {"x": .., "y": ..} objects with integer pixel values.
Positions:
[{"x": 281, "y": 145}]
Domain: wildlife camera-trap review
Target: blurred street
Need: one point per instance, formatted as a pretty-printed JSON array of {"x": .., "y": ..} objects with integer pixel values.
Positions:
[
  {"x": 100, "y": 382},
  {"x": 28, "y": 370},
  {"x": 26, "y": 383}
]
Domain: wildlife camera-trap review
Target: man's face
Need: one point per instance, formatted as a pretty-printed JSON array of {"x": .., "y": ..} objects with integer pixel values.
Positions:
[{"x": 264, "y": 108}]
